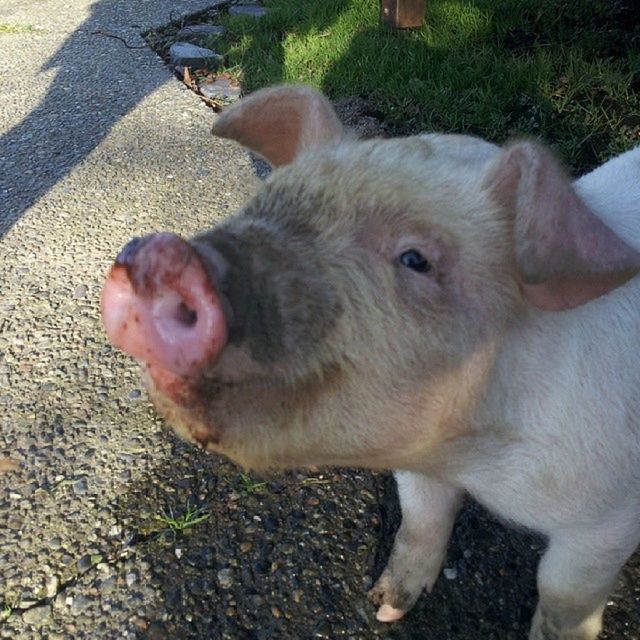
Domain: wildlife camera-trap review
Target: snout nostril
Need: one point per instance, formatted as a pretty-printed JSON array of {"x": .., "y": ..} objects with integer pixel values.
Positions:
[{"x": 185, "y": 316}]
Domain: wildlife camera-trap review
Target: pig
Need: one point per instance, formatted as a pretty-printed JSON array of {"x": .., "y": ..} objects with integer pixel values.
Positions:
[{"x": 436, "y": 305}]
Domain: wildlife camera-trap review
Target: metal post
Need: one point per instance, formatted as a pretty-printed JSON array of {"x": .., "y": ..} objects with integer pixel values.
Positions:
[{"x": 403, "y": 14}]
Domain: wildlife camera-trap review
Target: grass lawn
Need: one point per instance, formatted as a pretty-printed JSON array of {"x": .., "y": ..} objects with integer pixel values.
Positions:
[{"x": 568, "y": 72}]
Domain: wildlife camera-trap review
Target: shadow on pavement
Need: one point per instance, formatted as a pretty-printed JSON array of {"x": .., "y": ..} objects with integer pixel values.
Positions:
[
  {"x": 294, "y": 558},
  {"x": 92, "y": 90}
]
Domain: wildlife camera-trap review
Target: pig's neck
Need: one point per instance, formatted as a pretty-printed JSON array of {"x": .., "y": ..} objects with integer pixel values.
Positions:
[
  {"x": 559, "y": 401},
  {"x": 500, "y": 396},
  {"x": 449, "y": 414}
]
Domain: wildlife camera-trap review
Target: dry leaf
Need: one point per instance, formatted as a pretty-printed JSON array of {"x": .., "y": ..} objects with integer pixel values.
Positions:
[
  {"x": 186, "y": 76},
  {"x": 7, "y": 465}
]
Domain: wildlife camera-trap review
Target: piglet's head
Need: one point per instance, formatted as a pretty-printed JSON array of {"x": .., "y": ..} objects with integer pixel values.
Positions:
[{"x": 350, "y": 313}]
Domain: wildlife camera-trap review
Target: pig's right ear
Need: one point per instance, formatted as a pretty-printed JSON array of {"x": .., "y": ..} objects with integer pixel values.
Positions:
[
  {"x": 279, "y": 122},
  {"x": 565, "y": 255}
]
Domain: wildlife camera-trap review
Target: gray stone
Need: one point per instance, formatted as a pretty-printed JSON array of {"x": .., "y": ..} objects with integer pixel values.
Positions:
[
  {"x": 221, "y": 89},
  {"x": 26, "y": 602},
  {"x": 450, "y": 573},
  {"x": 201, "y": 30},
  {"x": 37, "y": 616},
  {"x": 55, "y": 542},
  {"x": 248, "y": 10},
  {"x": 84, "y": 564},
  {"x": 79, "y": 604},
  {"x": 52, "y": 586},
  {"x": 80, "y": 486},
  {"x": 225, "y": 578},
  {"x": 107, "y": 585},
  {"x": 186, "y": 54}
]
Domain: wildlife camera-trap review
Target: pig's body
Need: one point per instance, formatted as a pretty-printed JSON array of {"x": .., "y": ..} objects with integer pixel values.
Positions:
[
  {"x": 559, "y": 427},
  {"x": 565, "y": 392},
  {"x": 613, "y": 193},
  {"x": 436, "y": 305}
]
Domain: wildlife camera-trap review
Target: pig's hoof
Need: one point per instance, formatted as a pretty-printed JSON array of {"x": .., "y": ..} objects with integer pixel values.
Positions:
[
  {"x": 376, "y": 593},
  {"x": 387, "y": 613},
  {"x": 383, "y": 596}
]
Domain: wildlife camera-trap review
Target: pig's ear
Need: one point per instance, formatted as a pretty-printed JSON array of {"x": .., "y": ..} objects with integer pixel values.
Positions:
[
  {"x": 280, "y": 122},
  {"x": 565, "y": 255}
]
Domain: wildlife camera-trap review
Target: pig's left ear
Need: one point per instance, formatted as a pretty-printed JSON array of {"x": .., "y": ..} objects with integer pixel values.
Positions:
[
  {"x": 565, "y": 255},
  {"x": 279, "y": 122}
]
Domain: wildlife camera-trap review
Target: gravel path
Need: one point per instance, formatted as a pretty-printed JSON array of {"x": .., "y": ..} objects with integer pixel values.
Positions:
[{"x": 99, "y": 143}]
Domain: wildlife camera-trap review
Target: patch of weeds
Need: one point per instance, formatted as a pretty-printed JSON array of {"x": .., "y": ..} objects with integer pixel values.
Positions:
[
  {"x": 6, "y": 29},
  {"x": 177, "y": 525},
  {"x": 251, "y": 486},
  {"x": 5, "y": 612}
]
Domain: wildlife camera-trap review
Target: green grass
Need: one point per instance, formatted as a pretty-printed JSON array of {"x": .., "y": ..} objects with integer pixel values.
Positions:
[
  {"x": 6, "y": 29},
  {"x": 176, "y": 525},
  {"x": 567, "y": 72},
  {"x": 251, "y": 486},
  {"x": 5, "y": 612}
]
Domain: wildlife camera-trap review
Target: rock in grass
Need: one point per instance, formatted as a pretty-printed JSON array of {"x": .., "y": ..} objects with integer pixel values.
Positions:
[
  {"x": 186, "y": 54},
  {"x": 221, "y": 89},
  {"x": 201, "y": 31},
  {"x": 248, "y": 10}
]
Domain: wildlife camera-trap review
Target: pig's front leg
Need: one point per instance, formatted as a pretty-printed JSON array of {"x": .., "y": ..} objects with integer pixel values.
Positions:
[
  {"x": 428, "y": 508},
  {"x": 576, "y": 575}
]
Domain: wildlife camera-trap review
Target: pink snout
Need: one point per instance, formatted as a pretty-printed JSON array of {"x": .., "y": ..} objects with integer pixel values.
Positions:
[{"x": 159, "y": 306}]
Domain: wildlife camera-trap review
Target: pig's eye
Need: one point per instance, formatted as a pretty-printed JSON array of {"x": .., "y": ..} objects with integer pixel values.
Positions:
[{"x": 413, "y": 259}]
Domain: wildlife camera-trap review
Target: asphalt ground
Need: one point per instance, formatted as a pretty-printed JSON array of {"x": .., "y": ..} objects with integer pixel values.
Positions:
[{"x": 98, "y": 142}]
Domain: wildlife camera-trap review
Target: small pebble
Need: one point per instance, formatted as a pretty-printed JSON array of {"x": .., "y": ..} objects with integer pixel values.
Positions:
[
  {"x": 225, "y": 578},
  {"x": 450, "y": 573},
  {"x": 80, "y": 486},
  {"x": 37, "y": 616},
  {"x": 84, "y": 563},
  {"x": 52, "y": 586},
  {"x": 79, "y": 604}
]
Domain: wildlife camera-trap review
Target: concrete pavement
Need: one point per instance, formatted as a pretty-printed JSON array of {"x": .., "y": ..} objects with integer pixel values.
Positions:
[{"x": 97, "y": 143}]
